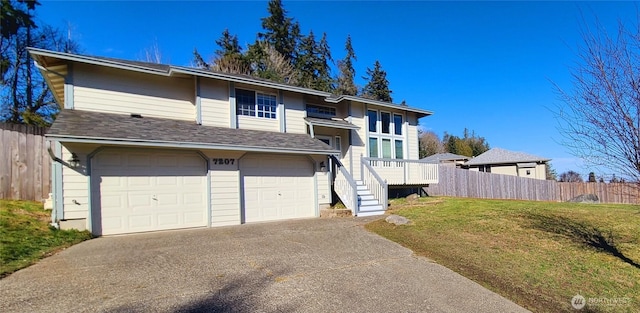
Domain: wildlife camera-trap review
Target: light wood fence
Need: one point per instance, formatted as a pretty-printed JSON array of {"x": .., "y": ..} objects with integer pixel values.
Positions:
[
  {"x": 464, "y": 183},
  {"x": 25, "y": 166}
]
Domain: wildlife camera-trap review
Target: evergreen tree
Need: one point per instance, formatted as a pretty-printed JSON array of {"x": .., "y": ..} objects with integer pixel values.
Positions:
[
  {"x": 228, "y": 45},
  {"x": 346, "y": 84},
  {"x": 198, "y": 60},
  {"x": 324, "y": 82},
  {"x": 229, "y": 57},
  {"x": 312, "y": 62},
  {"x": 280, "y": 31},
  {"x": 377, "y": 87},
  {"x": 469, "y": 145},
  {"x": 306, "y": 61}
]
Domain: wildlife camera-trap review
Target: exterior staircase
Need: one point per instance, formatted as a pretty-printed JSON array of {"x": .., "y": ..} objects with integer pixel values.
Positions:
[{"x": 368, "y": 205}]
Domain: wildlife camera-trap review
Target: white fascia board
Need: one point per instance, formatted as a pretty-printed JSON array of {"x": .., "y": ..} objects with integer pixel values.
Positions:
[
  {"x": 96, "y": 61},
  {"x": 332, "y": 125},
  {"x": 184, "y": 145},
  {"x": 378, "y": 103}
]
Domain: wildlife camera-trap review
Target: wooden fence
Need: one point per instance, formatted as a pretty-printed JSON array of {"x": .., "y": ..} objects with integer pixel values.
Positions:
[
  {"x": 25, "y": 166},
  {"x": 464, "y": 183}
]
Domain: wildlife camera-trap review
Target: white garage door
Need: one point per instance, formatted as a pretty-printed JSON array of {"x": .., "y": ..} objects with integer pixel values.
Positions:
[
  {"x": 277, "y": 187},
  {"x": 138, "y": 191}
]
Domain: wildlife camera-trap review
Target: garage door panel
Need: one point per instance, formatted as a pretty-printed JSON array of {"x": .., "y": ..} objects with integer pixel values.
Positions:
[
  {"x": 168, "y": 201},
  {"x": 141, "y": 191},
  {"x": 137, "y": 182},
  {"x": 167, "y": 181},
  {"x": 171, "y": 219},
  {"x": 144, "y": 222},
  {"x": 114, "y": 223},
  {"x": 137, "y": 202}
]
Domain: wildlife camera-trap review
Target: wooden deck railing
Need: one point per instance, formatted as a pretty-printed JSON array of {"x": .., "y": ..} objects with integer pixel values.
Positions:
[{"x": 404, "y": 172}]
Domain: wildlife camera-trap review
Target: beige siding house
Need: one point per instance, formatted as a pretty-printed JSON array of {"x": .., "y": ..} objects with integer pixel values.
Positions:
[
  {"x": 505, "y": 162},
  {"x": 142, "y": 147}
]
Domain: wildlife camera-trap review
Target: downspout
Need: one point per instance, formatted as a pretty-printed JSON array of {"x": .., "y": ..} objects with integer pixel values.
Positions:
[{"x": 56, "y": 212}]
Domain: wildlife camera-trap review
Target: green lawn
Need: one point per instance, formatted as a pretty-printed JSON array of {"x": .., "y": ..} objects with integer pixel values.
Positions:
[
  {"x": 26, "y": 237},
  {"x": 538, "y": 254}
]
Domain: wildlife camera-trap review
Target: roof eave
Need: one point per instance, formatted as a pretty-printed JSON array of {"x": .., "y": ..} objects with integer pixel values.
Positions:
[
  {"x": 95, "y": 61},
  {"x": 246, "y": 80},
  {"x": 507, "y": 162},
  {"x": 379, "y": 103},
  {"x": 183, "y": 145}
]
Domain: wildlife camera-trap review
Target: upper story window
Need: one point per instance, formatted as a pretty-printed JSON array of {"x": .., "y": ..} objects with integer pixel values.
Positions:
[
  {"x": 252, "y": 103},
  {"x": 397, "y": 123},
  {"x": 386, "y": 138},
  {"x": 320, "y": 111},
  {"x": 385, "y": 121},
  {"x": 382, "y": 122},
  {"x": 373, "y": 120}
]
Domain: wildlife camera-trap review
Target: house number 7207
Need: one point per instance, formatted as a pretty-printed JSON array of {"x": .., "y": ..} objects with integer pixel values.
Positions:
[{"x": 224, "y": 161}]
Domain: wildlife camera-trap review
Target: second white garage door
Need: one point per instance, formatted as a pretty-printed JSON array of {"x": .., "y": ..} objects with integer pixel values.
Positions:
[
  {"x": 277, "y": 187},
  {"x": 148, "y": 190}
]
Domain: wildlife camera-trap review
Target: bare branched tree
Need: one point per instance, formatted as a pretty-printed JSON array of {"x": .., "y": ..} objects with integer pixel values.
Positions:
[
  {"x": 430, "y": 144},
  {"x": 570, "y": 177},
  {"x": 600, "y": 115},
  {"x": 276, "y": 66},
  {"x": 152, "y": 54},
  {"x": 234, "y": 64}
]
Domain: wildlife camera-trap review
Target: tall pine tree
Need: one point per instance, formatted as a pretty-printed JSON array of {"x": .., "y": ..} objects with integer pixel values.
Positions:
[
  {"x": 229, "y": 57},
  {"x": 280, "y": 31},
  {"x": 324, "y": 81},
  {"x": 346, "y": 84},
  {"x": 306, "y": 59},
  {"x": 313, "y": 63},
  {"x": 228, "y": 44},
  {"x": 377, "y": 87}
]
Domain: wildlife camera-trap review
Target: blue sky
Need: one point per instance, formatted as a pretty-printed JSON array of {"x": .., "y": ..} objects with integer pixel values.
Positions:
[{"x": 486, "y": 66}]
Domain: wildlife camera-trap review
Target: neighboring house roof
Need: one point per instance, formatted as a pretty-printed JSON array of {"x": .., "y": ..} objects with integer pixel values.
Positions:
[
  {"x": 108, "y": 128},
  {"x": 438, "y": 157},
  {"x": 334, "y": 123},
  {"x": 47, "y": 58},
  {"x": 502, "y": 156}
]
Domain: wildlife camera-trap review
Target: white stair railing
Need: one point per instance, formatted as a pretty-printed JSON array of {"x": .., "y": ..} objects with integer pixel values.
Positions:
[
  {"x": 345, "y": 187},
  {"x": 374, "y": 182}
]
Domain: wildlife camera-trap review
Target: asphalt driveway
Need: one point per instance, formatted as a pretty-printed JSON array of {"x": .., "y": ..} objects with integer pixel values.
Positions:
[{"x": 316, "y": 265}]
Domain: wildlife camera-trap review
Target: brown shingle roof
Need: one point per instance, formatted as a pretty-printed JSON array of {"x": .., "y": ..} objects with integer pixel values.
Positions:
[{"x": 96, "y": 126}]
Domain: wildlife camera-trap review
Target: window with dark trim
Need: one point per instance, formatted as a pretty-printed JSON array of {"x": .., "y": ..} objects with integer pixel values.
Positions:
[
  {"x": 373, "y": 120},
  {"x": 399, "y": 149},
  {"x": 320, "y": 111},
  {"x": 397, "y": 124},
  {"x": 252, "y": 103},
  {"x": 373, "y": 147},
  {"x": 385, "y": 121}
]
